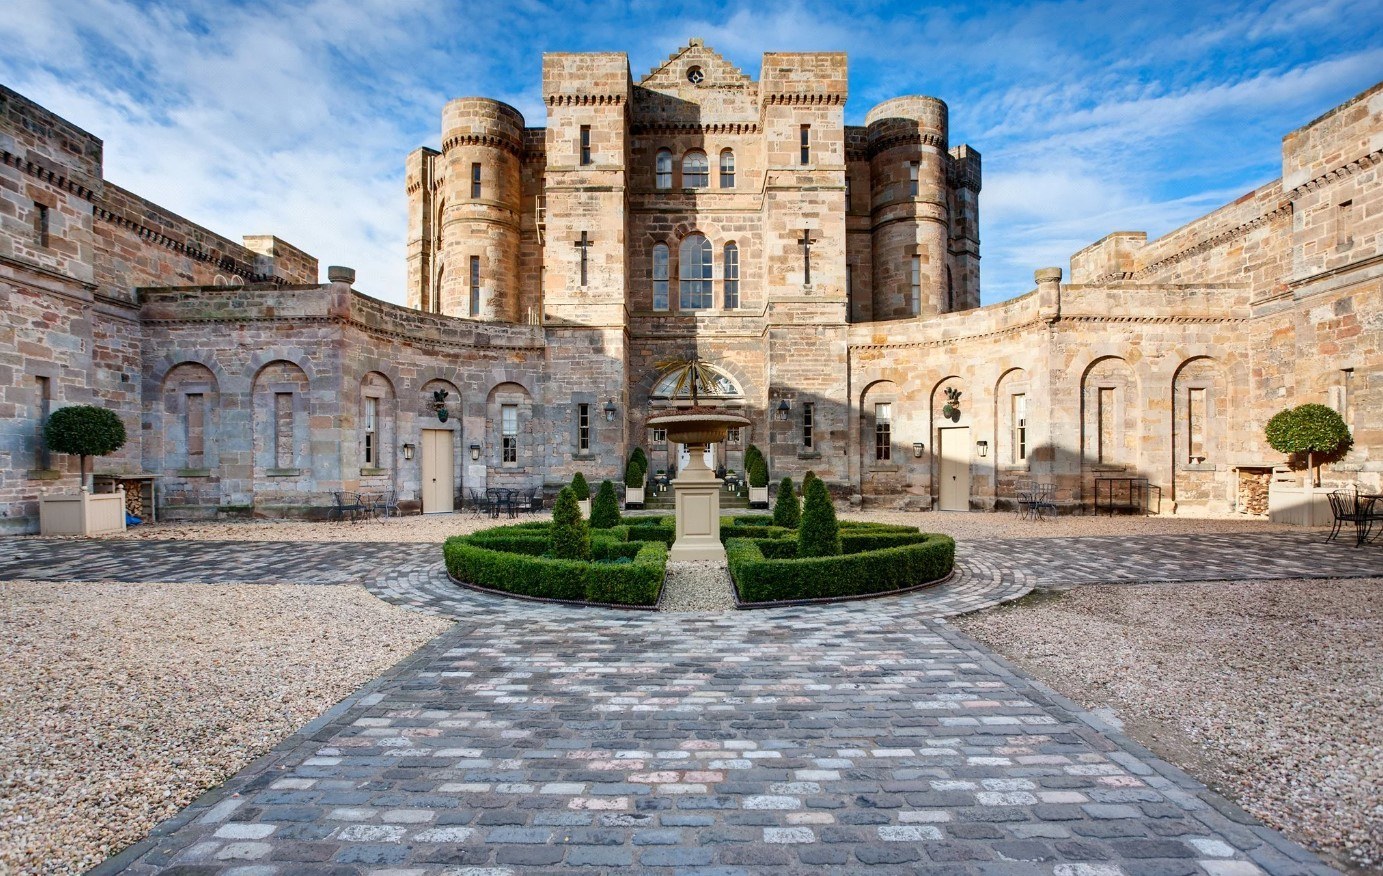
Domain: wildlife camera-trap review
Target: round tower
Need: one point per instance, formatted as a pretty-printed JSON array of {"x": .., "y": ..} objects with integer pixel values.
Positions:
[
  {"x": 482, "y": 144},
  {"x": 907, "y": 168}
]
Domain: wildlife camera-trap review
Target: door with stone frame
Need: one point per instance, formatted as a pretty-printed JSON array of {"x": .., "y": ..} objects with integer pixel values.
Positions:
[
  {"x": 438, "y": 468},
  {"x": 954, "y": 452}
]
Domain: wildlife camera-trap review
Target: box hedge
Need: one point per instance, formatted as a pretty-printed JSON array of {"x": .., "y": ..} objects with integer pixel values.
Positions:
[{"x": 761, "y": 578}]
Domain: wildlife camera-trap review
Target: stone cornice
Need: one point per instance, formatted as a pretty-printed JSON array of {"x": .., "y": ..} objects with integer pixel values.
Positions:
[
  {"x": 158, "y": 238},
  {"x": 803, "y": 99},
  {"x": 47, "y": 175},
  {"x": 345, "y": 322},
  {"x": 584, "y": 99},
  {"x": 695, "y": 128},
  {"x": 1042, "y": 323},
  {"x": 1344, "y": 170},
  {"x": 909, "y": 138},
  {"x": 1283, "y": 208},
  {"x": 488, "y": 141}
]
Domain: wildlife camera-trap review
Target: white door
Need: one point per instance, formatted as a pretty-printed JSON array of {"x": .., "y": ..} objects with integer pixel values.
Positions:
[
  {"x": 439, "y": 463},
  {"x": 955, "y": 469}
]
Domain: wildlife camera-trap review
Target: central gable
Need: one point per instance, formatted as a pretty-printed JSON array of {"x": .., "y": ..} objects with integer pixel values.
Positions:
[{"x": 696, "y": 86}]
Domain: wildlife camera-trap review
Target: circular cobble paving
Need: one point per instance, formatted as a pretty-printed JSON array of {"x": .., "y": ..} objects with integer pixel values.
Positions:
[{"x": 859, "y": 736}]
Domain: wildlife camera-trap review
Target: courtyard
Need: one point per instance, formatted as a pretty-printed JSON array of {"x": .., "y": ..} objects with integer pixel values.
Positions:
[{"x": 348, "y": 709}]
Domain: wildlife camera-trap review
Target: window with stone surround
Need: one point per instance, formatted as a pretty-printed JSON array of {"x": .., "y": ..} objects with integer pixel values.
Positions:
[
  {"x": 914, "y": 302},
  {"x": 662, "y": 169},
  {"x": 805, "y": 142},
  {"x": 41, "y": 224},
  {"x": 734, "y": 436},
  {"x": 727, "y": 169},
  {"x": 583, "y": 428},
  {"x": 1344, "y": 225},
  {"x": 585, "y": 145},
  {"x": 1018, "y": 413},
  {"x": 660, "y": 276},
  {"x": 475, "y": 286},
  {"x": 696, "y": 171},
  {"x": 883, "y": 431},
  {"x": 808, "y": 425},
  {"x": 475, "y": 180},
  {"x": 371, "y": 432},
  {"x": 43, "y": 406},
  {"x": 732, "y": 276},
  {"x": 659, "y": 437},
  {"x": 509, "y": 433},
  {"x": 913, "y": 168},
  {"x": 695, "y": 269}
]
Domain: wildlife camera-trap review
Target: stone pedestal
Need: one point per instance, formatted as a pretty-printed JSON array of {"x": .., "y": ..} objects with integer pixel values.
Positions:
[{"x": 696, "y": 491}]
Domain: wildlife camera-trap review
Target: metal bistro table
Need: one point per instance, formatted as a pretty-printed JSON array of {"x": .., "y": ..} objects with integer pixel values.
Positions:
[
  {"x": 1369, "y": 514},
  {"x": 1133, "y": 496}
]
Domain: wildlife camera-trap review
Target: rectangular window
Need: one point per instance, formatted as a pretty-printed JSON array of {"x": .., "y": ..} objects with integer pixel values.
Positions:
[
  {"x": 913, "y": 167},
  {"x": 475, "y": 180},
  {"x": 732, "y": 277},
  {"x": 195, "y": 413},
  {"x": 1020, "y": 428},
  {"x": 583, "y": 427},
  {"x": 732, "y": 436},
  {"x": 806, "y": 143},
  {"x": 883, "y": 431},
  {"x": 915, "y": 290},
  {"x": 1344, "y": 225},
  {"x": 847, "y": 193},
  {"x": 660, "y": 277},
  {"x": 509, "y": 433},
  {"x": 475, "y": 286},
  {"x": 727, "y": 169},
  {"x": 43, "y": 406},
  {"x": 1105, "y": 438},
  {"x": 41, "y": 224},
  {"x": 283, "y": 430},
  {"x": 585, "y": 144},
  {"x": 808, "y": 425},
  {"x": 371, "y": 437},
  {"x": 659, "y": 436},
  {"x": 1195, "y": 425}
]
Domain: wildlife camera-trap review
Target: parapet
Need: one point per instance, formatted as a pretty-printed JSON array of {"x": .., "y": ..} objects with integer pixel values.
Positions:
[
  {"x": 807, "y": 78},
  {"x": 585, "y": 78},
  {"x": 480, "y": 121}
]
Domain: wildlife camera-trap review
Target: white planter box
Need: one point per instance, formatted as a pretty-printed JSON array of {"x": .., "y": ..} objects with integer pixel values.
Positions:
[
  {"x": 585, "y": 505},
  {"x": 758, "y": 497},
  {"x": 82, "y": 514},
  {"x": 1299, "y": 506},
  {"x": 633, "y": 496}
]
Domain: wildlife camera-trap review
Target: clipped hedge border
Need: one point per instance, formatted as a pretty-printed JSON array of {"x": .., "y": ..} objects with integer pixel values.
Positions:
[
  {"x": 508, "y": 560},
  {"x": 762, "y": 580}
]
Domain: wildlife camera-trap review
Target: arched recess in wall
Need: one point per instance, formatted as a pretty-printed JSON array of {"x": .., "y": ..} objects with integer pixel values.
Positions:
[
  {"x": 281, "y": 400},
  {"x": 509, "y": 446},
  {"x": 1011, "y": 445},
  {"x": 881, "y": 447},
  {"x": 189, "y": 419},
  {"x": 1110, "y": 401},
  {"x": 375, "y": 425},
  {"x": 1200, "y": 408}
]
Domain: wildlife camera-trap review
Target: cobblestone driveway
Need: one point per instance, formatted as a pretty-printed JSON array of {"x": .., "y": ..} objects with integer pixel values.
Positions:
[{"x": 866, "y": 735}]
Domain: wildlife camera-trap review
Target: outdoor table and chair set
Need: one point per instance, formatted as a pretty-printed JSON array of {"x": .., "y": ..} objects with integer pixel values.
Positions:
[{"x": 1363, "y": 511}]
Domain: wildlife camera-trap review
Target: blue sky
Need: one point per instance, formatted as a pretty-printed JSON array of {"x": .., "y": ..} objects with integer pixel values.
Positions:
[{"x": 294, "y": 118}]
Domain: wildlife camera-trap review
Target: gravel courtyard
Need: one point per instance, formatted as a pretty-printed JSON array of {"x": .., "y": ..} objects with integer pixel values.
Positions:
[
  {"x": 1269, "y": 691},
  {"x": 124, "y": 702}
]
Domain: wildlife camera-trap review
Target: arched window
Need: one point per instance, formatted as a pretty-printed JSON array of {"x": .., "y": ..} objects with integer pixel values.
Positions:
[
  {"x": 662, "y": 168},
  {"x": 731, "y": 262},
  {"x": 695, "y": 258},
  {"x": 660, "y": 276},
  {"x": 727, "y": 169},
  {"x": 696, "y": 173}
]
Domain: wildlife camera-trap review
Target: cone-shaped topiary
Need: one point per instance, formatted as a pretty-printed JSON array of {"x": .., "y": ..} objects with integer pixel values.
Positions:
[
  {"x": 571, "y": 537},
  {"x": 755, "y": 467},
  {"x": 641, "y": 457},
  {"x": 819, "y": 534},
  {"x": 1308, "y": 429},
  {"x": 787, "y": 510},
  {"x": 634, "y": 472},
  {"x": 84, "y": 430},
  {"x": 605, "y": 508},
  {"x": 580, "y": 488}
]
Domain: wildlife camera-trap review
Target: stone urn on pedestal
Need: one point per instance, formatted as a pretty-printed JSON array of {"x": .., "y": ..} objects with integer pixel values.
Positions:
[{"x": 696, "y": 489}]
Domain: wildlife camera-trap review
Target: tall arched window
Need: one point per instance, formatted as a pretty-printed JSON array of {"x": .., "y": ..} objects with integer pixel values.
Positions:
[
  {"x": 731, "y": 261},
  {"x": 727, "y": 169},
  {"x": 695, "y": 258},
  {"x": 696, "y": 172},
  {"x": 660, "y": 276},
  {"x": 662, "y": 168}
]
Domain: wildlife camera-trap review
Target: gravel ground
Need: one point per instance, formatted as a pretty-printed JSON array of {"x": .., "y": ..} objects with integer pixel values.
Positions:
[
  {"x": 108, "y": 728},
  {"x": 437, "y": 527},
  {"x": 698, "y": 586},
  {"x": 1269, "y": 691}
]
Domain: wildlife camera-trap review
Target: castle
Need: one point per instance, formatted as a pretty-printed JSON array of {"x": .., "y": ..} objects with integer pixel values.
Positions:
[{"x": 828, "y": 273}]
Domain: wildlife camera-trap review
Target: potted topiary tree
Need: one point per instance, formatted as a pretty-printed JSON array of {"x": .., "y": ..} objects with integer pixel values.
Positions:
[
  {"x": 756, "y": 471},
  {"x": 787, "y": 510},
  {"x": 571, "y": 537},
  {"x": 635, "y": 471},
  {"x": 582, "y": 491},
  {"x": 83, "y": 430},
  {"x": 819, "y": 533},
  {"x": 1313, "y": 430},
  {"x": 605, "y": 508}
]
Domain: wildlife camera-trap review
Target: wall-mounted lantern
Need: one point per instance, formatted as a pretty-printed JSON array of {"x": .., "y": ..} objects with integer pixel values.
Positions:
[
  {"x": 784, "y": 408},
  {"x": 917, "y": 448},
  {"x": 439, "y": 404},
  {"x": 475, "y": 452},
  {"x": 408, "y": 451},
  {"x": 982, "y": 448},
  {"x": 610, "y": 410}
]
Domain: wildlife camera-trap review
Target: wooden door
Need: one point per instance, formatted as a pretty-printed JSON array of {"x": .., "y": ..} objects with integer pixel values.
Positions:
[
  {"x": 439, "y": 463},
  {"x": 955, "y": 469}
]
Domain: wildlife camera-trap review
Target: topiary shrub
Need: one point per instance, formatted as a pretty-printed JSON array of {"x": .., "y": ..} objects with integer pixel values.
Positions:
[
  {"x": 605, "y": 508},
  {"x": 84, "y": 430},
  {"x": 1308, "y": 429},
  {"x": 641, "y": 457},
  {"x": 818, "y": 535},
  {"x": 571, "y": 537},
  {"x": 580, "y": 488},
  {"x": 787, "y": 509},
  {"x": 755, "y": 467},
  {"x": 634, "y": 472}
]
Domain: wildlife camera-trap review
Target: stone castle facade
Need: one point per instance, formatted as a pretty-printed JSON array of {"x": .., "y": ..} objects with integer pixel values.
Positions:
[{"x": 829, "y": 273}]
